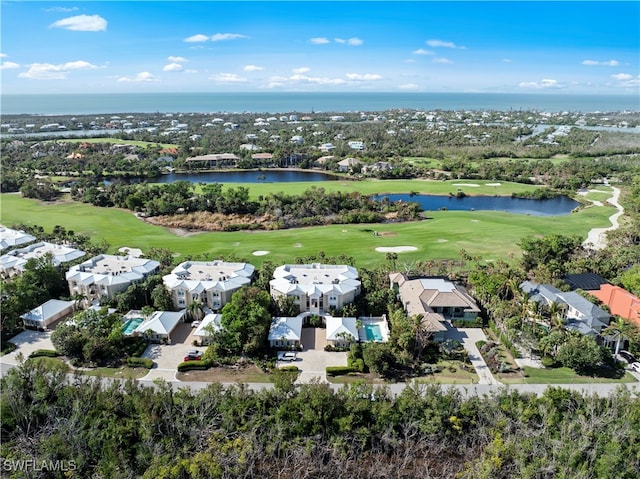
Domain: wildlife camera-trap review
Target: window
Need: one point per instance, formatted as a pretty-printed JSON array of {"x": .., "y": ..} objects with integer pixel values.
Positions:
[
  {"x": 333, "y": 299},
  {"x": 181, "y": 302},
  {"x": 180, "y": 293}
]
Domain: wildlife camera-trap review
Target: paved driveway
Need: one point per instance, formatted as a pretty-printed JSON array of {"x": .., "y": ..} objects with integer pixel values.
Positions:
[
  {"x": 27, "y": 341},
  {"x": 313, "y": 359},
  {"x": 166, "y": 357},
  {"x": 468, "y": 337}
]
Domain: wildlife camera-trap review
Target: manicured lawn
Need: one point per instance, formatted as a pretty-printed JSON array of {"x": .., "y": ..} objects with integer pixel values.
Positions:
[
  {"x": 422, "y": 161},
  {"x": 459, "y": 376},
  {"x": 122, "y": 372},
  {"x": 489, "y": 235},
  {"x": 249, "y": 374},
  {"x": 565, "y": 376},
  {"x": 598, "y": 196},
  {"x": 57, "y": 364},
  {"x": 117, "y": 141}
]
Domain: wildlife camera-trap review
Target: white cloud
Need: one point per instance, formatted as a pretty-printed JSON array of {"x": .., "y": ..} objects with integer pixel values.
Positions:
[
  {"x": 227, "y": 78},
  {"x": 365, "y": 77},
  {"x": 140, "y": 77},
  {"x": 82, "y": 23},
  {"x": 172, "y": 67},
  {"x": 61, "y": 9},
  {"x": 626, "y": 80},
  {"x": 622, "y": 76},
  {"x": 196, "y": 38},
  {"x": 173, "y": 59},
  {"x": 48, "y": 71},
  {"x": 610, "y": 63},
  {"x": 226, "y": 36},
  {"x": 422, "y": 51},
  {"x": 252, "y": 68},
  {"x": 320, "y": 40},
  {"x": 442, "y": 44},
  {"x": 3, "y": 55},
  {"x": 442, "y": 60},
  {"x": 354, "y": 41},
  {"x": 301, "y": 70},
  {"x": 545, "y": 83},
  {"x": 408, "y": 86},
  {"x": 506, "y": 60},
  {"x": 8, "y": 65},
  {"x": 317, "y": 80},
  {"x": 409, "y": 60}
]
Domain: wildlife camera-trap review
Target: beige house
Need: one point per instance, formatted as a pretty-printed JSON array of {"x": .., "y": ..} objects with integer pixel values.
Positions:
[
  {"x": 436, "y": 300},
  {"x": 316, "y": 288},
  {"x": 210, "y": 282},
  {"x": 105, "y": 275}
]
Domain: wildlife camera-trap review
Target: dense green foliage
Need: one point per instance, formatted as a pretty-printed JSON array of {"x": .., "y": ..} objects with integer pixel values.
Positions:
[{"x": 125, "y": 430}]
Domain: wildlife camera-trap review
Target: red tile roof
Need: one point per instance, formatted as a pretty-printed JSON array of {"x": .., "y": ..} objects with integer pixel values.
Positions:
[{"x": 620, "y": 301}]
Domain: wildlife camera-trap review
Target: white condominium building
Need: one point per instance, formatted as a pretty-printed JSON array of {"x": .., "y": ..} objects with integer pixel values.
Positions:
[{"x": 210, "y": 282}]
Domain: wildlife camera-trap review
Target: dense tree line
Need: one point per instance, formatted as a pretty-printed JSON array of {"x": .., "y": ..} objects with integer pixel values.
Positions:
[{"x": 125, "y": 430}]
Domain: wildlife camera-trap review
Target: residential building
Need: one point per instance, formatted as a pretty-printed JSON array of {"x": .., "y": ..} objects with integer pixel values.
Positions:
[
  {"x": 347, "y": 164},
  {"x": 578, "y": 313},
  {"x": 104, "y": 275},
  {"x": 209, "y": 325},
  {"x": 210, "y": 282},
  {"x": 341, "y": 332},
  {"x": 214, "y": 160},
  {"x": 45, "y": 314},
  {"x": 159, "y": 326},
  {"x": 436, "y": 300},
  {"x": 316, "y": 287},
  {"x": 13, "y": 263},
  {"x": 356, "y": 145},
  {"x": 285, "y": 332},
  {"x": 10, "y": 238},
  {"x": 620, "y": 302},
  {"x": 584, "y": 281}
]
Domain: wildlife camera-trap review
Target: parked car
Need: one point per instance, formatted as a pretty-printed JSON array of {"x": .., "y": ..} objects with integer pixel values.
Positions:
[
  {"x": 628, "y": 357},
  {"x": 635, "y": 366},
  {"x": 193, "y": 355},
  {"x": 195, "y": 324},
  {"x": 287, "y": 356}
]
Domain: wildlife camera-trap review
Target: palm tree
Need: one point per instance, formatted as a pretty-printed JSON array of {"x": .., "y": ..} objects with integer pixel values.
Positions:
[
  {"x": 618, "y": 330},
  {"x": 195, "y": 310}
]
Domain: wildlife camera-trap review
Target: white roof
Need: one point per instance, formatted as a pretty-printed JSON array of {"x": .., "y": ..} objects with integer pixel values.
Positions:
[
  {"x": 198, "y": 276},
  {"x": 288, "y": 328},
  {"x": 161, "y": 322},
  {"x": 47, "y": 310},
  {"x": 18, "y": 258},
  {"x": 337, "y": 328},
  {"x": 10, "y": 238},
  {"x": 315, "y": 279},
  {"x": 110, "y": 269},
  {"x": 211, "y": 320}
]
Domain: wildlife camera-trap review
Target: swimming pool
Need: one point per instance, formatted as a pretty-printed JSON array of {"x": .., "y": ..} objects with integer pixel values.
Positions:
[
  {"x": 131, "y": 325},
  {"x": 373, "y": 332}
]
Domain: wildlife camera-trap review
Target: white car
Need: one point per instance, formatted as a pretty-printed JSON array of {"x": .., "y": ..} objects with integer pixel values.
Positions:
[
  {"x": 635, "y": 367},
  {"x": 287, "y": 356}
]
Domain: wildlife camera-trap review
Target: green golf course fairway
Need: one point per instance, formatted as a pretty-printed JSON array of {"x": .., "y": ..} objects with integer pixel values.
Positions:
[{"x": 488, "y": 234}]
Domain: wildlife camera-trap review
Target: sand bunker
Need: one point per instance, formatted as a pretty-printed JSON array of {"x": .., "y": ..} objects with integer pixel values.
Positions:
[
  {"x": 297, "y": 245},
  {"x": 395, "y": 249},
  {"x": 260, "y": 253},
  {"x": 236, "y": 244},
  {"x": 442, "y": 241},
  {"x": 494, "y": 184},
  {"x": 473, "y": 185}
]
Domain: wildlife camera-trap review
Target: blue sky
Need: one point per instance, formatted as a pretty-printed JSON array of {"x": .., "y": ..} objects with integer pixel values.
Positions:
[{"x": 422, "y": 46}]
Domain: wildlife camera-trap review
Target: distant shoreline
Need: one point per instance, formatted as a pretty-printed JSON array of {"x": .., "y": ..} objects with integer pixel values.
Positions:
[{"x": 281, "y": 102}]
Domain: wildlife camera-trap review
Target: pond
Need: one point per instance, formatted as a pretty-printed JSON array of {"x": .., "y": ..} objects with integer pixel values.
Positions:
[
  {"x": 247, "y": 176},
  {"x": 561, "y": 205}
]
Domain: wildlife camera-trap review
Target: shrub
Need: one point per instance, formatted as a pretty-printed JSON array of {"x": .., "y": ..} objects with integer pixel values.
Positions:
[
  {"x": 194, "y": 365},
  {"x": 290, "y": 368},
  {"x": 8, "y": 346},
  {"x": 358, "y": 364},
  {"x": 134, "y": 362},
  {"x": 481, "y": 343},
  {"x": 548, "y": 362},
  {"x": 340, "y": 370},
  {"x": 452, "y": 369},
  {"x": 329, "y": 347},
  {"x": 49, "y": 353}
]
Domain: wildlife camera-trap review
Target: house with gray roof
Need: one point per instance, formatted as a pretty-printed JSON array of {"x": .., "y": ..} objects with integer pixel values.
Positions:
[
  {"x": 45, "y": 314},
  {"x": 10, "y": 238},
  {"x": 13, "y": 263}
]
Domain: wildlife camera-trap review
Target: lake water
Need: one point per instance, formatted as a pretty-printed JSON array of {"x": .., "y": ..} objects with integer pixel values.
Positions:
[
  {"x": 561, "y": 205},
  {"x": 247, "y": 176}
]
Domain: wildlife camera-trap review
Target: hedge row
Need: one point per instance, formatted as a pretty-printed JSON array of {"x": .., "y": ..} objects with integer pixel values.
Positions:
[
  {"x": 506, "y": 341},
  {"x": 194, "y": 365},
  {"x": 134, "y": 362},
  {"x": 289, "y": 368},
  {"x": 49, "y": 353},
  {"x": 340, "y": 370}
]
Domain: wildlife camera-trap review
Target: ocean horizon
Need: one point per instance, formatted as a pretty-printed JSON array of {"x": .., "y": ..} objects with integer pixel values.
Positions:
[{"x": 263, "y": 102}]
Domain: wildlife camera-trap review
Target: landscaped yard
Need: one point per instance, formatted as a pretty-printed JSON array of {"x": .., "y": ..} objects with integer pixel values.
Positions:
[
  {"x": 453, "y": 372},
  {"x": 564, "y": 376},
  {"x": 227, "y": 374},
  {"x": 122, "y": 372}
]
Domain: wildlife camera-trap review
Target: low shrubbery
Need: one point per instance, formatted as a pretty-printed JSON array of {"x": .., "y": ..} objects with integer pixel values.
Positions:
[
  {"x": 8, "y": 347},
  {"x": 194, "y": 365},
  {"x": 291, "y": 368},
  {"x": 340, "y": 370},
  {"x": 135, "y": 362},
  {"x": 495, "y": 361},
  {"x": 49, "y": 353},
  {"x": 504, "y": 339}
]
